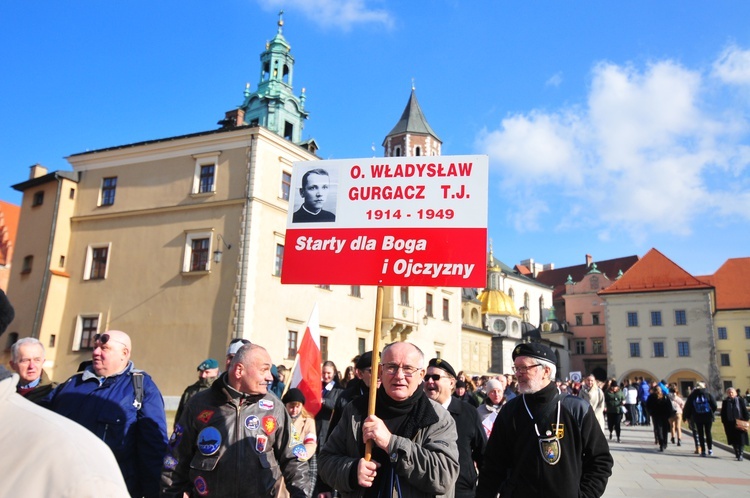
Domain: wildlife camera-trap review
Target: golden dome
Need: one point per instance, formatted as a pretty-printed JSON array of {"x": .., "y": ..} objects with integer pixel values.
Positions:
[{"x": 497, "y": 302}]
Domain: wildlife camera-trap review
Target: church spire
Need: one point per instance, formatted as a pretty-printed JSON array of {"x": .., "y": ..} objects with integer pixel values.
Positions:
[
  {"x": 273, "y": 105},
  {"x": 412, "y": 135}
]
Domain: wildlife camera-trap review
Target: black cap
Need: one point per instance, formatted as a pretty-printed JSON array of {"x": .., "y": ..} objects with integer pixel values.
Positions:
[
  {"x": 443, "y": 365},
  {"x": 535, "y": 350},
  {"x": 364, "y": 361},
  {"x": 460, "y": 383},
  {"x": 293, "y": 395}
]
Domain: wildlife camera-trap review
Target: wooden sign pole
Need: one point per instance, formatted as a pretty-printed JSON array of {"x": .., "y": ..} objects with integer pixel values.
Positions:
[{"x": 375, "y": 365}]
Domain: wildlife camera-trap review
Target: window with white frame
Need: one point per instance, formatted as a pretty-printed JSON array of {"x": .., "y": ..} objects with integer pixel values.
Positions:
[
  {"x": 97, "y": 261},
  {"x": 278, "y": 259},
  {"x": 683, "y": 348},
  {"x": 680, "y": 317},
  {"x": 87, "y": 326},
  {"x": 446, "y": 310},
  {"x": 722, "y": 333},
  {"x": 658, "y": 349},
  {"x": 724, "y": 360},
  {"x": 286, "y": 185},
  {"x": 635, "y": 349},
  {"x": 204, "y": 178},
  {"x": 108, "y": 191},
  {"x": 197, "y": 252}
]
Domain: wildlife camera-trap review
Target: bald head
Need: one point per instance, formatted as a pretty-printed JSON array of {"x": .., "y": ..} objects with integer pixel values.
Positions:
[{"x": 111, "y": 353}]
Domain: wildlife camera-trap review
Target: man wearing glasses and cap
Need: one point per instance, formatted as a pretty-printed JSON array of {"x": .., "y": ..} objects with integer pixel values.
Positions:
[
  {"x": 439, "y": 384},
  {"x": 413, "y": 438},
  {"x": 120, "y": 405},
  {"x": 544, "y": 442}
]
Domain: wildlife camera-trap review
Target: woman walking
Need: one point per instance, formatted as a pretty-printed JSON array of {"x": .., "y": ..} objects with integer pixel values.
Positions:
[
  {"x": 660, "y": 408},
  {"x": 675, "y": 423},
  {"x": 613, "y": 402},
  {"x": 733, "y": 409}
]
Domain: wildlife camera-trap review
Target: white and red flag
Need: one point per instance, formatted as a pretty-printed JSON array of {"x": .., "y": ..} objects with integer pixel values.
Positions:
[{"x": 307, "y": 373}]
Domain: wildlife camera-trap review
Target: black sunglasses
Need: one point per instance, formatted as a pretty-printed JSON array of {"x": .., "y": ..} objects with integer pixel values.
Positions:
[
  {"x": 105, "y": 338},
  {"x": 435, "y": 377}
]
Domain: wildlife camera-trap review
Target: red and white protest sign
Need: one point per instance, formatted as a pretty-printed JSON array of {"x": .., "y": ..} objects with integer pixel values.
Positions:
[{"x": 417, "y": 221}]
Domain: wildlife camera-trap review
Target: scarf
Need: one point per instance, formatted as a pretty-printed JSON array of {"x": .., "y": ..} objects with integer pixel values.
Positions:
[{"x": 402, "y": 418}]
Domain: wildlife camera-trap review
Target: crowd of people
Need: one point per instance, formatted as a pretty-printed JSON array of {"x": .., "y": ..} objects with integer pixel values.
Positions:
[{"x": 241, "y": 432}]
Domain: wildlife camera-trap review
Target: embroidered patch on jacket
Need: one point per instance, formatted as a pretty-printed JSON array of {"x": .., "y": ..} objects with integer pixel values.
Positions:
[
  {"x": 170, "y": 462},
  {"x": 252, "y": 423},
  {"x": 205, "y": 416},
  {"x": 269, "y": 424},
  {"x": 261, "y": 441},
  {"x": 209, "y": 441},
  {"x": 560, "y": 431},
  {"x": 300, "y": 452},
  {"x": 176, "y": 436},
  {"x": 201, "y": 486},
  {"x": 265, "y": 404}
]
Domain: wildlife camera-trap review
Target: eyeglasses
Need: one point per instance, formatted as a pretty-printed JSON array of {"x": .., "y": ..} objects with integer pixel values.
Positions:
[
  {"x": 103, "y": 339},
  {"x": 393, "y": 368},
  {"x": 523, "y": 370},
  {"x": 435, "y": 377}
]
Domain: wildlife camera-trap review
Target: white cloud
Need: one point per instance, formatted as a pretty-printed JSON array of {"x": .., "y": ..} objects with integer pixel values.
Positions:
[
  {"x": 733, "y": 66},
  {"x": 646, "y": 154},
  {"x": 554, "y": 80},
  {"x": 342, "y": 14}
]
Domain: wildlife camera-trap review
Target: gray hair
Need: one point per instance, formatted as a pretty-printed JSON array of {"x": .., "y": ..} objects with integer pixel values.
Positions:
[
  {"x": 552, "y": 368},
  {"x": 243, "y": 355},
  {"x": 21, "y": 342}
]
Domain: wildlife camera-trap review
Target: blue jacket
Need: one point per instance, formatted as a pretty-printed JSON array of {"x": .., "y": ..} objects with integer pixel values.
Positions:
[{"x": 138, "y": 438}]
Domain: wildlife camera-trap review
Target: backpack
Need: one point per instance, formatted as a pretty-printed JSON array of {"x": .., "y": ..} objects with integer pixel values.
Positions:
[{"x": 701, "y": 404}]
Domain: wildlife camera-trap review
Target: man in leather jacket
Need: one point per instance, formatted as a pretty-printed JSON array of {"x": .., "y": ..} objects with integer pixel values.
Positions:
[{"x": 236, "y": 439}]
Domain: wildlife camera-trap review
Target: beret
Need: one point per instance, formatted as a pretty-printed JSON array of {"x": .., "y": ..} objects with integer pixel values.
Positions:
[
  {"x": 443, "y": 365},
  {"x": 208, "y": 364},
  {"x": 535, "y": 350},
  {"x": 364, "y": 361},
  {"x": 293, "y": 395}
]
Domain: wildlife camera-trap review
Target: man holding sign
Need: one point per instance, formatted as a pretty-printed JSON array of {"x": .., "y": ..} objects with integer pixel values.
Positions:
[{"x": 414, "y": 438}]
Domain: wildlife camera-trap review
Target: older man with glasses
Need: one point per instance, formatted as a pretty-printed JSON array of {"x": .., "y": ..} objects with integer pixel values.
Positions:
[
  {"x": 544, "y": 442},
  {"x": 414, "y": 438},
  {"x": 122, "y": 406}
]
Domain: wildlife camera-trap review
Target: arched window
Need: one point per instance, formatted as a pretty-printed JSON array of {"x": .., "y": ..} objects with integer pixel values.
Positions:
[
  {"x": 418, "y": 151},
  {"x": 526, "y": 300},
  {"x": 512, "y": 295}
]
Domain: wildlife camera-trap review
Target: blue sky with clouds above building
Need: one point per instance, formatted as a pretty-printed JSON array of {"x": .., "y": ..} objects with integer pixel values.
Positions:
[{"x": 611, "y": 127}]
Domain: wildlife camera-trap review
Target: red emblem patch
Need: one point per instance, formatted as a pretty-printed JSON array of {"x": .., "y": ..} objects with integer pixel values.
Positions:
[
  {"x": 205, "y": 416},
  {"x": 269, "y": 424}
]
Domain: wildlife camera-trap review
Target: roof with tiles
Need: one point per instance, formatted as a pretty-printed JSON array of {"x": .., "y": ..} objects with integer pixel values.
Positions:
[
  {"x": 655, "y": 272},
  {"x": 732, "y": 282},
  {"x": 557, "y": 277}
]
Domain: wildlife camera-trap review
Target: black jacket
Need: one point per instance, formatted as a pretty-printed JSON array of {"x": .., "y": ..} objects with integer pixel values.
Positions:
[
  {"x": 470, "y": 445},
  {"x": 513, "y": 462},
  {"x": 688, "y": 411}
]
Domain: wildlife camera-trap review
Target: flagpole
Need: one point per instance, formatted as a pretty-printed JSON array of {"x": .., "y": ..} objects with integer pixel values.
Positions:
[{"x": 375, "y": 365}]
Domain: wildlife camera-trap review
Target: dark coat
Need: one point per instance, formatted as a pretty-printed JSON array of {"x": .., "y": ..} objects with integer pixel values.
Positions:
[
  {"x": 513, "y": 463},
  {"x": 732, "y": 410},
  {"x": 471, "y": 441},
  {"x": 688, "y": 411},
  {"x": 45, "y": 387},
  {"x": 323, "y": 417}
]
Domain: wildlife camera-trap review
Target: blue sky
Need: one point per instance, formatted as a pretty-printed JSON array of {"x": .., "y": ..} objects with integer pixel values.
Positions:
[{"x": 611, "y": 127}]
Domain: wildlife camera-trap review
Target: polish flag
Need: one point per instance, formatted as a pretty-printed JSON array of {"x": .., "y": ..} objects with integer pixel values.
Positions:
[{"x": 307, "y": 371}]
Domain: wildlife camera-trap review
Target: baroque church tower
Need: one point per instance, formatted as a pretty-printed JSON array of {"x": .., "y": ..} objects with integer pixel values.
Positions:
[{"x": 273, "y": 105}]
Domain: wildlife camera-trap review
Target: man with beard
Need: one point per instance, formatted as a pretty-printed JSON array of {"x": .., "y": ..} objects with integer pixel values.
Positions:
[
  {"x": 413, "y": 438},
  {"x": 439, "y": 383},
  {"x": 208, "y": 372},
  {"x": 544, "y": 443}
]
